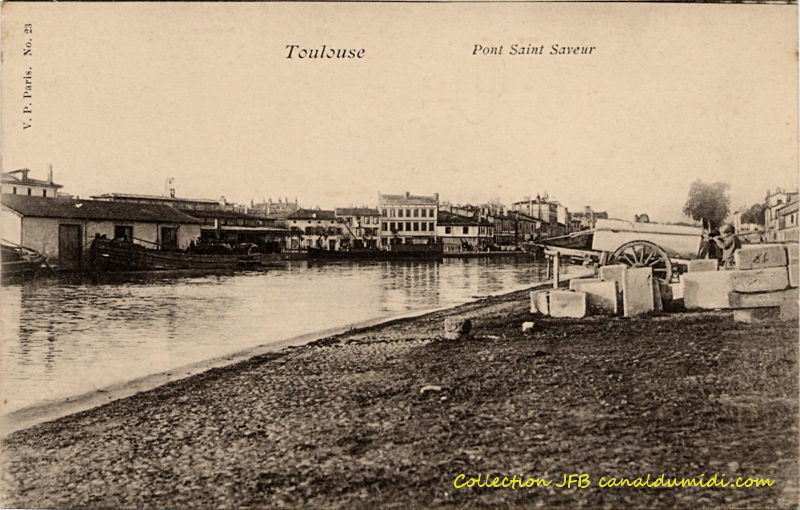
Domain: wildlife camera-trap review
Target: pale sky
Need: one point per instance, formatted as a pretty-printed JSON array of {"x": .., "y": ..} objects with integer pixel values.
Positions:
[{"x": 127, "y": 95}]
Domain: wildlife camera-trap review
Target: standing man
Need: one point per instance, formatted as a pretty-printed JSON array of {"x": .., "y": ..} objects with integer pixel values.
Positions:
[{"x": 728, "y": 243}]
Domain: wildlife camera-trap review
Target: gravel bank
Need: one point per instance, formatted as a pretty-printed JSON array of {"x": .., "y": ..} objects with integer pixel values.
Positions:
[{"x": 343, "y": 421}]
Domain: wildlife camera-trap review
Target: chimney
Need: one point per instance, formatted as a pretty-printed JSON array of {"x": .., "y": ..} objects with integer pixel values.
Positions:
[
  {"x": 408, "y": 194},
  {"x": 50, "y": 174},
  {"x": 436, "y": 196}
]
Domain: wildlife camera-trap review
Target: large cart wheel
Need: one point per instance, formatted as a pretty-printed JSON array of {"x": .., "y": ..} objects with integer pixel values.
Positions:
[{"x": 644, "y": 254}]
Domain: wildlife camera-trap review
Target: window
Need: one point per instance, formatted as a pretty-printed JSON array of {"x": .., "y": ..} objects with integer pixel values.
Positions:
[
  {"x": 44, "y": 192},
  {"x": 15, "y": 190},
  {"x": 408, "y": 213},
  {"x": 399, "y": 213},
  {"x": 424, "y": 213},
  {"x": 123, "y": 232},
  {"x": 416, "y": 226},
  {"x": 29, "y": 191},
  {"x": 394, "y": 227},
  {"x": 385, "y": 213},
  {"x": 423, "y": 226},
  {"x": 399, "y": 226},
  {"x": 466, "y": 230},
  {"x": 416, "y": 213},
  {"x": 408, "y": 226},
  {"x": 385, "y": 226},
  {"x": 447, "y": 230}
]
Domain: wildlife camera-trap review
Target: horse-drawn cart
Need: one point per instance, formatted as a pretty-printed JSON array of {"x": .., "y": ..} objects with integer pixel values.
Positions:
[{"x": 661, "y": 246}]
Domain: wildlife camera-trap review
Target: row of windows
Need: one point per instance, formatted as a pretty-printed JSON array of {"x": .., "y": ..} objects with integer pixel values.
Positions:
[
  {"x": 408, "y": 213},
  {"x": 408, "y": 226},
  {"x": 44, "y": 191}
]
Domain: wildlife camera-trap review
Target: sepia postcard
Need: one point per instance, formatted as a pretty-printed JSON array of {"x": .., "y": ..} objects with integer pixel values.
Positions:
[{"x": 399, "y": 254}]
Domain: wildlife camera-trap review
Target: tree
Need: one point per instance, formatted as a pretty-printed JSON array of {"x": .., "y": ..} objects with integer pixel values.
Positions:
[
  {"x": 708, "y": 202},
  {"x": 755, "y": 214}
]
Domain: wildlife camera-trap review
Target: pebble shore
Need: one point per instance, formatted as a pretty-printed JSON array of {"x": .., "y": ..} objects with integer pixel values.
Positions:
[{"x": 390, "y": 415}]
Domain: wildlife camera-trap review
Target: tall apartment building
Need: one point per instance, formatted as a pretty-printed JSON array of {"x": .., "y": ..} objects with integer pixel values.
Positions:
[{"x": 408, "y": 219}]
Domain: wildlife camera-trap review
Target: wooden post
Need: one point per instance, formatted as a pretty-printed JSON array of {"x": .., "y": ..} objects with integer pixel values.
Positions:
[{"x": 556, "y": 264}]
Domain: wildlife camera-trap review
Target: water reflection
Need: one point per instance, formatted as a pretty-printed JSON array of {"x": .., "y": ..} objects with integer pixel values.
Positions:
[{"x": 66, "y": 338}]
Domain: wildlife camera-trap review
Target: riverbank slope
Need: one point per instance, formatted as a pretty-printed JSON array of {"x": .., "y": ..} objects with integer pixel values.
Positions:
[{"x": 349, "y": 420}]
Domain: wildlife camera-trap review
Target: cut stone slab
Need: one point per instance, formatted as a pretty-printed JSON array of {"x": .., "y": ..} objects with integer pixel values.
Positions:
[
  {"x": 698, "y": 265},
  {"x": 760, "y": 280},
  {"x": 637, "y": 291},
  {"x": 601, "y": 296},
  {"x": 456, "y": 328},
  {"x": 577, "y": 283},
  {"x": 794, "y": 269},
  {"x": 759, "y": 256},
  {"x": 568, "y": 303},
  {"x": 707, "y": 290},
  {"x": 793, "y": 253},
  {"x": 540, "y": 302},
  {"x": 613, "y": 273},
  {"x": 761, "y": 299},
  {"x": 764, "y": 314}
]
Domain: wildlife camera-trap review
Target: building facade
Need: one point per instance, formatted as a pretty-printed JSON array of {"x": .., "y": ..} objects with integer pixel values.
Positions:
[
  {"x": 408, "y": 219},
  {"x": 780, "y": 220},
  {"x": 62, "y": 230},
  {"x": 313, "y": 228},
  {"x": 551, "y": 214},
  {"x": 361, "y": 226},
  {"x": 458, "y": 233},
  {"x": 17, "y": 182}
]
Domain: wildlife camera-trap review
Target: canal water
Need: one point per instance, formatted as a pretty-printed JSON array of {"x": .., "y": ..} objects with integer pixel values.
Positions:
[{"x": 61, "y": 339}]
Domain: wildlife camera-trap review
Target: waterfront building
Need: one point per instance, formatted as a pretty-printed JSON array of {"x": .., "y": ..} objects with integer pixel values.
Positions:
[
  {"x": 361, "y": 226},
  {"x": 313, "y": 228},
  {"x": 461, "y": 233},
  {"x": 62, "y": 230},
  {"x": 408, "y": 219},
  {"x": 233, "y": 227},
  {"x": 17, "y": 182},
  {"x": 280, "y": 209},
  {"x": 586, "y": 219},
  {"x": 552, "y": 214},
  {"x": 780, "y": 216}
]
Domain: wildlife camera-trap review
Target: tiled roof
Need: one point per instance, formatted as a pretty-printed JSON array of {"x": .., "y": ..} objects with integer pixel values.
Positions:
[
  {"x": 312, "y": 214},
  {"x": 408, "y": 199},
  {"x": 356, "y": 211},
  {"x": 93, "y": 209}
]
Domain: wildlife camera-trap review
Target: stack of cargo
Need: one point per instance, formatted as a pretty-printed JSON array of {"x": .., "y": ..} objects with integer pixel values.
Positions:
[
  {"x": 762, "y": 287},
  {"x": 617, "y": 289}
]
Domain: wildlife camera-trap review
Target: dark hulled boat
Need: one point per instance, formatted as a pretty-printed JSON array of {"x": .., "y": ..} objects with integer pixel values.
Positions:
[
  {"x": 113, "y": 255},
  {"x": 18, "y": 262}
]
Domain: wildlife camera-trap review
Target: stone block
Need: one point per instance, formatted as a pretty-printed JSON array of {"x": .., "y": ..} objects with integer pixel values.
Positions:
[
  {"x": 527, "y": 327},
  {"x": 794, "y": 269},
  {"x": 637, "y": 291},
  {"x": 567, "y": 303},
  {"x": 790, "y": 309},
  {"x": 540, "y": 302},
  {"x": 613, "y": 273},
  {"x": 601, "y": 296},
  {"x": 658, "y": 305},
  {"x": 707, "y": 289},
  {"x": 760, "y": 280},
  {"x": 456, "y": 328},
  {"x": 764, "y": 314},
  {"x": 695, "y": 266},
  {"x": 792, "y": 253},
  {"x": 759, "y": 256},
  {"x": 761, "y": 299},
  {"x": 577, "y": 283}
]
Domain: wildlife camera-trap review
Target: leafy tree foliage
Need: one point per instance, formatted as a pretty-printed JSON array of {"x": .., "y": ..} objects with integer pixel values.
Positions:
[
  {"x": 755, "y": 214},
  {"x": 708, "y": 202}
]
